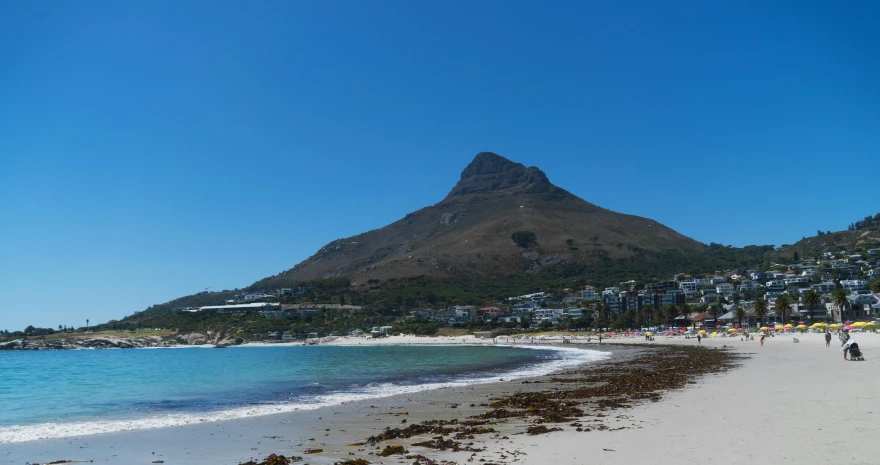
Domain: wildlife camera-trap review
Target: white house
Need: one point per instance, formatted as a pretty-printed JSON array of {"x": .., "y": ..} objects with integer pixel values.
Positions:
[
  {"x": 688, "y": 286},
  {"x": 725, "y": 289},
  {"x": 823, "y": 287},
  {"x": 854, "y": 284},
  {"x": 590, "y": 294},
  {"x": 775, "y": 285}
]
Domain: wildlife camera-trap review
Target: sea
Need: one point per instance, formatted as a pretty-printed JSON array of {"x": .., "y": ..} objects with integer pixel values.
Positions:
[{"x": 57, "y": 394}]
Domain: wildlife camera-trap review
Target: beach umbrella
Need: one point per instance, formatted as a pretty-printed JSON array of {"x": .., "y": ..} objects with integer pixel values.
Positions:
[
  {"x": 787, "y": 326},
  {"x": 763, "y": 328},
  {"x": 849, "y": 327},
  {"x": 739, "y": 329},
  {"x": 870, "y": 325},
  {"x": 834, "y": 326},
  {"x": 801, "y": 327},
  {"x": 714, "y": 333},
  {"x": 859, "y": 324},
  {"x": 702, "y": 331},
  {"x": 801, "y": 323},
  {"x": 731, "y": 330}
]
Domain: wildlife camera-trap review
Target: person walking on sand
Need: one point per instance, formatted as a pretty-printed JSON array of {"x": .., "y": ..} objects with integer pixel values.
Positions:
[
  {"x": 698, "y": 339},
  {"x": 600, "y": 338},
  {"x": 762, "y": 339},
  {"x": 827, "y": 338}
]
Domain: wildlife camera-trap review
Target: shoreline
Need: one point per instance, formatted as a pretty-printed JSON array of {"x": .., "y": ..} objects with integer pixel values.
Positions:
[
  {"x": 731, "y": 413},
  {"x": 15, "y": 434}
]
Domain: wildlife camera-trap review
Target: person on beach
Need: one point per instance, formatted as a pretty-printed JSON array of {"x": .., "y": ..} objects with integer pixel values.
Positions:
[
  {"x": 846, "y": 346},
  {"x": 827, "y": 338},
  {"x": 698, "y": 339},
  {"x": 762, "y": 339},
  {"x": 600, "y": 338}
]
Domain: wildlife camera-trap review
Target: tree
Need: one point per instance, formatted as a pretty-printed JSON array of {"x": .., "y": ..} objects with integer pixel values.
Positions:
[
  {"x": 685, "y": 312},
  {"x": 812, "y": 300},
  {"x": 87, "y": 323},
  {"x": 841, "y": 299},
  {"x": 875, "y": 285},
  {"x": 783, "y": 307},
  {"x": 716, "y": 310},
  {"x": 761, "y": 308},
  {"x": 740, "y": 314},
  {"x": 797, "y": 257},
  {"x": 648, "y": 315},
  {"x": 660, "y": 316},
  {"x": 524, "y": 239}
]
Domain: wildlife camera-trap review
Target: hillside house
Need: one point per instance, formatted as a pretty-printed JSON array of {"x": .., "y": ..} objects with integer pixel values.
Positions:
[{"x": 854, "y": 284}]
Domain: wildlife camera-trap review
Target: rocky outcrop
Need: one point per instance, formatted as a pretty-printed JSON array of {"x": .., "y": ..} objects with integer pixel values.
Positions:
[
  {"x": 228, "y": 342},
  {"x": 196, "y": 339},
  {"x": 88, "y": 343},
  {"x": 490, "y": 172}
]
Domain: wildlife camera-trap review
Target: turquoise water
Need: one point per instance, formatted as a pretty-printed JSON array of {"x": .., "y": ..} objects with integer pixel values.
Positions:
[{"x": 67, "y": 393}]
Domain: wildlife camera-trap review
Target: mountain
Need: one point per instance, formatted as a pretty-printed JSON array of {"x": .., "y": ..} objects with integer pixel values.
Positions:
[{"x": 469, "y": 233}]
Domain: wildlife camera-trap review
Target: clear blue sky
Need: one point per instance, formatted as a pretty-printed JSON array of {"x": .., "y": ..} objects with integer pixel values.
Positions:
[{"x": 152, "y": 149}]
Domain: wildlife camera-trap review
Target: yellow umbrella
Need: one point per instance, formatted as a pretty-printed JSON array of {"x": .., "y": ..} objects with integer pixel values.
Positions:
[
  {"x": 714, "y": 333},
  {"x": 649, "y": 334},
  {"x": 763, "y": 328},
  {"x": 869, "y": 325},
  {"x": 787, "y": 326},
  {"x": 702, "y": 331},
  {"x": 801, "y": 327},
  {"x": 834, "y": 326},
  {"x": 731, "y": 330},
  {"x": 859, "y": 324}
]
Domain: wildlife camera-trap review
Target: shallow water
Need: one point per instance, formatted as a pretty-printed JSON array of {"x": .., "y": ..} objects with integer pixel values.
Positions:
[{"x": 67, "y": 393}]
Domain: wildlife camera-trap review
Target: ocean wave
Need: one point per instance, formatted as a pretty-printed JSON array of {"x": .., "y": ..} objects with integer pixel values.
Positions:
[{"x": 22, "y": 433}]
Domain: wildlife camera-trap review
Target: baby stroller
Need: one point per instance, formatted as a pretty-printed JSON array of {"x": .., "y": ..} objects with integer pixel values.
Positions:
[{"x": 854, "y": 352}]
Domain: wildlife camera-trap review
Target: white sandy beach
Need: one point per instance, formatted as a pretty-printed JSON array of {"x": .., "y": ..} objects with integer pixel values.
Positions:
[{"x": 787, "y": 403}]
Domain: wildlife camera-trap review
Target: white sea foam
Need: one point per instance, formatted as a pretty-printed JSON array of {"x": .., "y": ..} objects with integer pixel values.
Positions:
[{"x": 22, "y": 433}]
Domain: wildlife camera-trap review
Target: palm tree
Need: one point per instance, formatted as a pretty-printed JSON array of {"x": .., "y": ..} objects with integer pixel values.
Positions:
[
  {"x": 812, "y": 299},
  {"x": 660, "y": 316},
  {"x": 840, "y": 298},
  {"x": 648, "y": 313},
  {"x": 875, "y": 285},
  {"x": 740, "y": 314},
  {"x": 760, "y": 310},
  {"x": 716, "y": 311},
  {"x": 783, "y": 307},
  {"x": 685, "y": 311}
]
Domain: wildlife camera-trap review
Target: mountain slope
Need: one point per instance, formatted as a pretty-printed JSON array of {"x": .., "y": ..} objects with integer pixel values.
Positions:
[{"x": 469, "y": 232}]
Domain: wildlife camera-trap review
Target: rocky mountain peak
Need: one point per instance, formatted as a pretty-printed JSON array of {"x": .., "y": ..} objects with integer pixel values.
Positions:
[{"x": 490, "y": 172}]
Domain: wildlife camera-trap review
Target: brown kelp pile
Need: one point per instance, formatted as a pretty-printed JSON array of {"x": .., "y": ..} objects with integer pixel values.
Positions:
[
  {"x": 275, "y": 460},
  {"x": 577, "y": 398}
]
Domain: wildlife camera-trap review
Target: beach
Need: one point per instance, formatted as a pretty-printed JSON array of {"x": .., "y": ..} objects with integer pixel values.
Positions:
[{"x": 783, "y": 402}]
